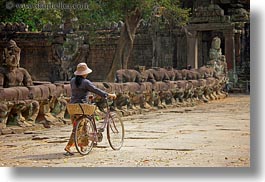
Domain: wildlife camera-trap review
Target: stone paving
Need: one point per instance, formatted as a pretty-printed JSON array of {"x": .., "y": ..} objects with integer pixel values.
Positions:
[{"x": 216, "y": 134}]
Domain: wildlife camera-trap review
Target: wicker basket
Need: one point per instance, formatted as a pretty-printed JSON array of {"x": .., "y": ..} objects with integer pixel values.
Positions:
[{"x": 76, "y": 109}]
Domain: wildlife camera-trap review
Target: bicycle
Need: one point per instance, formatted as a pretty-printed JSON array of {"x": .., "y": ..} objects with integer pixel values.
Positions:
[{"x": 86, "y": 133}]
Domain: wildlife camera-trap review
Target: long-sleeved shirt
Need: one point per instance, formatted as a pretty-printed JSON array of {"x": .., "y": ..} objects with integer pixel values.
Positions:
[{"x": 80, "y": 94}]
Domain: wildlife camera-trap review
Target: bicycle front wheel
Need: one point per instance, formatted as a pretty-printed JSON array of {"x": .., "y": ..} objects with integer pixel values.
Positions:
[
  {"x": 115, "y": 131},
  {"x": 84, "y": 135}
]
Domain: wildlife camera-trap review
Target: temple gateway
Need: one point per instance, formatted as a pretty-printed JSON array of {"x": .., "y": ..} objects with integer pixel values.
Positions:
[{"x": 230, "y": 21}]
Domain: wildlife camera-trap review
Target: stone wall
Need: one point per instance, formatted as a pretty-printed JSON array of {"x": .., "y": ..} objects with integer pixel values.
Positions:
[
  {"x": 142, "y": 51},
  {"x": 100, "y": 58}
]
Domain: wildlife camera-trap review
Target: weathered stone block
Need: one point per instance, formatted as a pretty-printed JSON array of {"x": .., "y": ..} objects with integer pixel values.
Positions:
[
  {"x": 6, "y": 131},
  {"x": 17, "y": 130},
  {"x": 14, "y": 93}
]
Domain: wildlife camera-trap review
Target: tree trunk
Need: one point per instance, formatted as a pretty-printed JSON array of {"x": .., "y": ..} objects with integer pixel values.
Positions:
[
  {"x": 125, "y": 44},
  {"x": 155, "y": 41}
]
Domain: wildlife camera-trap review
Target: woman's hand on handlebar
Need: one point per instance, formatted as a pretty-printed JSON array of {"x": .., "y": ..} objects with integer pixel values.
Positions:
[{"x": 112, "y": 96}]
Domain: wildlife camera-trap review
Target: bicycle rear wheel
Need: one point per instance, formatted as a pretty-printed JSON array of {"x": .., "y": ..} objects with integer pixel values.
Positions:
[
  {"x": 84, "y": 135},
  {"x": 115, "y": 131}
]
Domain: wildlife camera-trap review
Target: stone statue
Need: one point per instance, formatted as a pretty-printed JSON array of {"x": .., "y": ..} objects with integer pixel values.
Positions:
[
  {"x": 222, "y": 72},
  {"x": 215, "y": 51},
  {"x": 2, "y": 26},
  {"x": 11, "y": 74},
  {"x": 223, "y": 62},
  {"x": 218, "y": 62},
  {"x": 5, "y": 108},
  {"x": 24, "y": 112}
]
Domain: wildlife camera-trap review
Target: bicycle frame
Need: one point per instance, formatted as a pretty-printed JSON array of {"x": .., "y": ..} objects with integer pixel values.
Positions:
[
  {"x": 105, "y": 121},
  {"x": 96, "y": 134},
  {"x": 92, "y": 118}
]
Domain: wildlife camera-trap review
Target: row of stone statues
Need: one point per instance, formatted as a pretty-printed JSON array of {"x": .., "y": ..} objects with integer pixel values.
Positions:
[
  {"x": 42, "y": 102},
  {"x": 216, "y": 67},
  {"x": 45, "y": 102},
  {"x": 155, "y": 74},
  {"x": 161, "y": 93},
  {"x": 13, "y": 27}
]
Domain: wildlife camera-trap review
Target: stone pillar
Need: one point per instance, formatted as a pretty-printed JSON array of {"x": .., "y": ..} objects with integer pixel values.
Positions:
[
  {"x": 200, "y": 49},
  {"x": 230, "y": 53},
  {"x": 238, "y": 47},
  {"x": 192, "y": 52},
  {"x": 229, "y": 49},
  {"x": 243, "y": 44}
]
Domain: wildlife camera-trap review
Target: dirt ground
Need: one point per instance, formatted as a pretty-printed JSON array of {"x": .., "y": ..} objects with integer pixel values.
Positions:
[{"x": 216, "y": 134}]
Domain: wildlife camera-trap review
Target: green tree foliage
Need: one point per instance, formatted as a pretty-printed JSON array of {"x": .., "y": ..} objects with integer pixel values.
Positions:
[
  {"x": 29, "y": 13},
  {"x": 97, "y": 12}
]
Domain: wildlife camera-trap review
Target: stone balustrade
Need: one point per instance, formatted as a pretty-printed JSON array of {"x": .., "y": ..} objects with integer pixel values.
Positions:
[{"x": 44, "y": 103}]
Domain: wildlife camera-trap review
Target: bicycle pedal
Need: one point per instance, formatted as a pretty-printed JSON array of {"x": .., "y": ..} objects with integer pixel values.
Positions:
[
  {"x": 100, "y": 130},
  {"x": 100, "y": 137}
]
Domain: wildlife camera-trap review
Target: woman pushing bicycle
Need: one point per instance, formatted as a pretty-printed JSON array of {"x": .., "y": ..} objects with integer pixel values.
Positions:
[{"x": 80, "y": 87}]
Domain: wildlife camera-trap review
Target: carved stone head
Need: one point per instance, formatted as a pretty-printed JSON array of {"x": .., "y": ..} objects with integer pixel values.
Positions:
[
  {"x": 223, "y": 58},
  {"x": 11, "y": 43},
  {"x": 216, "y": 43},
  {"x": 12, "y": 54}
]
